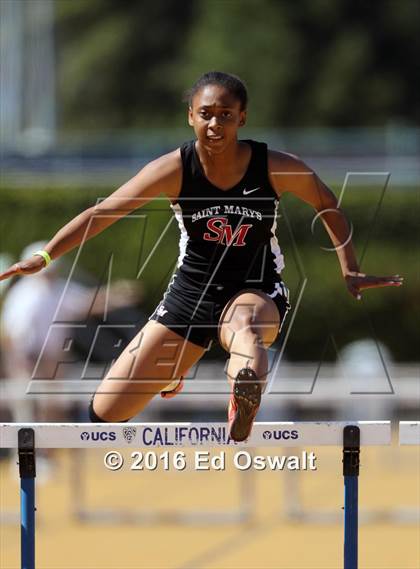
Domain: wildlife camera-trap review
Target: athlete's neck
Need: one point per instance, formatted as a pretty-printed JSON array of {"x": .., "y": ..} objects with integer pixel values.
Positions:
[{"x": 225, "y": 168}]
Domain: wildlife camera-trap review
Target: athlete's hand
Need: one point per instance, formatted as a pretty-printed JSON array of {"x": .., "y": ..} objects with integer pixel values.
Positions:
[
  {"x": 26, "y": 267},
  {"x": 357, "y": 282}
]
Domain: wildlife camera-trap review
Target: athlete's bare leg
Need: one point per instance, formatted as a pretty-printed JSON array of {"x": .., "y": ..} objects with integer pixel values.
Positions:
[
  {"x": 153, "y": 359},
  {"x": 248, "y": 326}
]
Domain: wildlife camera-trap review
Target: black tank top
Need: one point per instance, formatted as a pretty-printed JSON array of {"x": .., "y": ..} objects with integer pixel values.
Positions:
[{"x": 228, "y": 236}]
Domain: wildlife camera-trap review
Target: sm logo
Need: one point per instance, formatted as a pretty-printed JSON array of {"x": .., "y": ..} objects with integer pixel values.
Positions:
[{"x": 220, "y": 231}]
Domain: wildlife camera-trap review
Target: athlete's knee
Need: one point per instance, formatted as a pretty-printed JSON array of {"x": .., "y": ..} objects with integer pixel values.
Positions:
[
  {"x": 247, "y": 336},
  {"x": 255, "y": 330},
  {"x": 94, "y": 418},
  {"x": 242, "y": 317}
]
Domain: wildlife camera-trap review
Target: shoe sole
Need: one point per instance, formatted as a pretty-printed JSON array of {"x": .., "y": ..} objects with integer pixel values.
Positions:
[
  {"x": 174, "y": 392},
  {"x": 247, "y": 398}
]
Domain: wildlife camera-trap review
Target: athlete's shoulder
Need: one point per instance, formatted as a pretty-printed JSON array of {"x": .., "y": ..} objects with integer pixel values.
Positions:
[
  {"x": 277, "y": 158},
  {"x": 167, "y": 163},
  {"x": 287, "y": 161},
  {"x": 166, "y": 170},
  {"x": 285, "y": 171}
]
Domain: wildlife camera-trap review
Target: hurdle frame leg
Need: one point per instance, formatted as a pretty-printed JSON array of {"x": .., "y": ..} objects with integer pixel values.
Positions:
[
  {"x": 351, "y": 463},
  {"x": 27, "y": 473}
]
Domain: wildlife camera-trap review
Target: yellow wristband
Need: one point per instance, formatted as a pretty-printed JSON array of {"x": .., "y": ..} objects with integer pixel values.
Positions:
[{"x": 45, "y": 256}]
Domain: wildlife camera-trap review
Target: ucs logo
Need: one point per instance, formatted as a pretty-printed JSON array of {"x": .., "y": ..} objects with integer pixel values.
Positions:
[
  {"x": 278, "y": 435},
  {"x": 98, "y": 436}
]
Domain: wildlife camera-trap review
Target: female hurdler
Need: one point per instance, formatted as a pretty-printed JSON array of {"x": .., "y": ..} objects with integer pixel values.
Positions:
[{"x": 224, "y": 193}]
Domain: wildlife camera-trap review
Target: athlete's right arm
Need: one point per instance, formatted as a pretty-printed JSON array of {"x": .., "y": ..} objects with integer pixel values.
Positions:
[{"x": 161, "y": 176}]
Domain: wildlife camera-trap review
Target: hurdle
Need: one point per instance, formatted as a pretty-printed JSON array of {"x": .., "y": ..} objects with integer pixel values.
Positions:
[
  {"x": 349, "y": 435},
  {"x": 409, "y": 433}
]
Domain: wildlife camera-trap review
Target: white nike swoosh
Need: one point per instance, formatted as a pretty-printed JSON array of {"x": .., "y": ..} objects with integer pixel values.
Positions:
[{"x": 245, "y": 192}]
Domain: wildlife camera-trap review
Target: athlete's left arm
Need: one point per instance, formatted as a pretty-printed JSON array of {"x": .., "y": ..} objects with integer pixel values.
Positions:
[{"x": 287, "y": 173}]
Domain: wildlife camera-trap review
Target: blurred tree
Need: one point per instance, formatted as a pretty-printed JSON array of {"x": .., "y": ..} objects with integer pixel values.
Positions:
[
  {"x": 307, "y": 63},
  {"x": 312, "y": 62},
  {"x": 252, "y": 39},
  {"x": 114, "y": 58},
  {"x": 358, "y": 60}
]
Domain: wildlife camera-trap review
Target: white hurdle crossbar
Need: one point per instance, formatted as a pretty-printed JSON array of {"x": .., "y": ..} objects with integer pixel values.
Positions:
[
  {"x": 120, "y": 435},
  {"x": 349, "y": 435}
]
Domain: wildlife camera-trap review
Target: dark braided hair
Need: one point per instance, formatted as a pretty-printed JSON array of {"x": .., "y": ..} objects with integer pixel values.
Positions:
[{"x": 231, "y": 83}]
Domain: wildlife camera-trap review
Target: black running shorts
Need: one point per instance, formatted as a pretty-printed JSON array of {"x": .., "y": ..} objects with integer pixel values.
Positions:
[{"x": 194, "y": 311}]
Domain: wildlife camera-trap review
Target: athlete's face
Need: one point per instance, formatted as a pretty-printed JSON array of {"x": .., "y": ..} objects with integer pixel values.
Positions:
[{"x": 215, "y": 115}]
